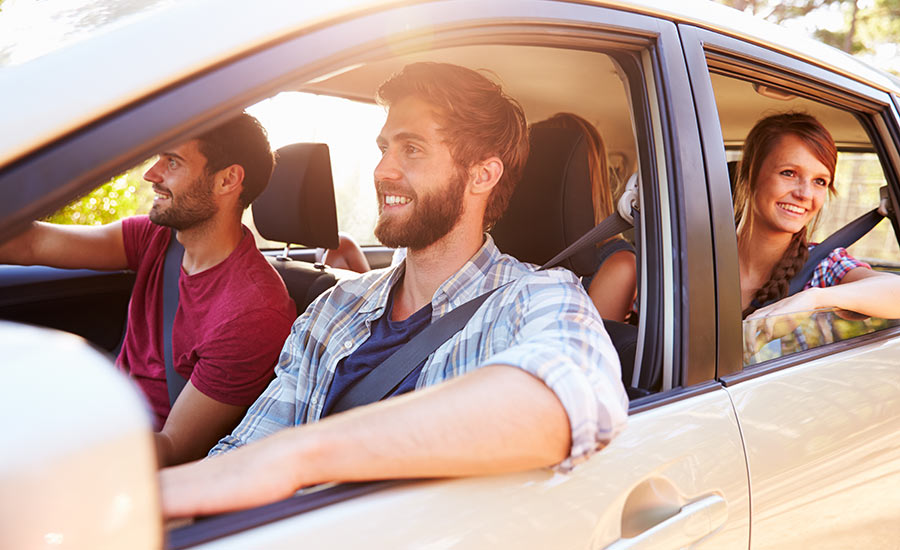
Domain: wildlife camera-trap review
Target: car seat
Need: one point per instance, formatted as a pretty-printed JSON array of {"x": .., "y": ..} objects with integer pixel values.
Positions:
[
  {"x": 550, "y": 209},
  {"x": 297, "y": 207}
]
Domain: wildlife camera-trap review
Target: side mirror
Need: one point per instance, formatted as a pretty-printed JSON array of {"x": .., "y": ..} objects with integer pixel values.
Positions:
[{"x": 78, "y": 466}]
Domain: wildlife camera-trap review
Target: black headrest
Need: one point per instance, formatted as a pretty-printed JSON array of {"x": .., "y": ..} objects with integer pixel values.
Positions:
[
  {"x": 551, "y": 206},
  {"x": 297, "y": 206}
]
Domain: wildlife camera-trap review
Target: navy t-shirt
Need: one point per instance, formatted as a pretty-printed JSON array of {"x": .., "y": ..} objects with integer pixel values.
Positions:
[{"x": 387, "y": 336}]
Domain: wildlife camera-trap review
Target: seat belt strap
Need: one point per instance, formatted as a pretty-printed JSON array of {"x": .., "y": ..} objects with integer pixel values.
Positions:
[
  {"x": 386, "y": 377},
  {"x": 843, "y": 237},
  {"x": 171, "y": 273}
]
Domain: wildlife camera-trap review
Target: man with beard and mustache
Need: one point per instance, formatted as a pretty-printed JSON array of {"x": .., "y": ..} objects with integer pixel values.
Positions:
[
  {"x": 531, "y": 381},
  {"x": 234, "y": 311}
]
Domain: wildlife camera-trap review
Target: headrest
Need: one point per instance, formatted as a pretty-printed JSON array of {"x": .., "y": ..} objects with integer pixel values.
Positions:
[
  {"x": 552, "y": 205},
  {"x": 297, "y": 206},
  {"x": 733, "y": 173}
]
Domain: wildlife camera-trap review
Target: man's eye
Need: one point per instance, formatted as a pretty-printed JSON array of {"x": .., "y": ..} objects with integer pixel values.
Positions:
[
  {"x": 172, "y": 164},
  {"x": 412, "y": 149}
]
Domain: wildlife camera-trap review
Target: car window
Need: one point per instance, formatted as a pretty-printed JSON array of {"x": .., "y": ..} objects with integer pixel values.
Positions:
[
  {"x": 349, "y": 128},
  {"x": 780, "y": 335},
  {"x": 859, "y": 175},
  {"x": 127, "y": 194}
]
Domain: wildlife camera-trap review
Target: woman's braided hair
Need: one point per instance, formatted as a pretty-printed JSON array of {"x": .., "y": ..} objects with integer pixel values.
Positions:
[{"x": 760, "y": 142}]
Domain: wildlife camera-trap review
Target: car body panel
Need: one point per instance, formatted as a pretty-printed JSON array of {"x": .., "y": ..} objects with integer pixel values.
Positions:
[
  {"x": 663, "y": 461},
  {"x": 822, "y": 448}
]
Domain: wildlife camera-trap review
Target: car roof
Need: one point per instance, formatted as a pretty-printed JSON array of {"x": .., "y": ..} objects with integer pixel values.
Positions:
[{"x": 53, "y": 95}]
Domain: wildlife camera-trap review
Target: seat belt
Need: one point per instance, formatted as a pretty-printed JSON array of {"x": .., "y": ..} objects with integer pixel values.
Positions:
[
  {"x": 843, "y": 237},
  {"x": 171, "y": 273},
  {"x": 386, "y": 377}
]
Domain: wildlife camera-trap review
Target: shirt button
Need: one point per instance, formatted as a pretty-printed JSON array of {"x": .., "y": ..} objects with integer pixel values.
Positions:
[{"x": 348, "y": 344}]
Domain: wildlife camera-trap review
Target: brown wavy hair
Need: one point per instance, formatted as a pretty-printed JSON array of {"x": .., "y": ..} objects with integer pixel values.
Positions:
[
  {"x": 760, "y": 142},
  {"x": 478, "y": 120},
  {"x": 598, "y": 164}
]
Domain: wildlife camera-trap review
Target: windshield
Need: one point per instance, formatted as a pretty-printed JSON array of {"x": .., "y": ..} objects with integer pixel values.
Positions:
[
  {"x": 30, "y": 29},
  {"x": 779, "y": 335}
]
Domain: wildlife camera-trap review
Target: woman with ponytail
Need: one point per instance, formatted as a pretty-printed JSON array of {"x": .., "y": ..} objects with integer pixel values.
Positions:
[{"x": 785, "y": 175}]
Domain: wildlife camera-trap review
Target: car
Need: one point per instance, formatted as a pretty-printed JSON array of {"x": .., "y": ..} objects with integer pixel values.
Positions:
[{"x": 769, "y": 441}]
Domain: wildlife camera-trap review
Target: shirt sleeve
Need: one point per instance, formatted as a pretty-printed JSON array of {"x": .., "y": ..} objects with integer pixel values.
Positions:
[
  {"x": 832, "y": 270},
  {"x": 137, "y": 231},
  {"x": 558, "y": 336}
]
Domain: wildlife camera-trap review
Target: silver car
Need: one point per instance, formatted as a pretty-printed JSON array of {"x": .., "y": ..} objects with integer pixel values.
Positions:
[{"x": 741, "y": 435}]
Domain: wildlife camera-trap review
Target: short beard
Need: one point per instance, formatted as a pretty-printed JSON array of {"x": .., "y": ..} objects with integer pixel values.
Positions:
[
  {"x": 193, "y": 207},
  {"x": 433, "y": 216}
]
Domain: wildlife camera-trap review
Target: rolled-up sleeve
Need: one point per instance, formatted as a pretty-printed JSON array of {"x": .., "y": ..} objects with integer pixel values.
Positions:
[{"x": 556, "y": 335}]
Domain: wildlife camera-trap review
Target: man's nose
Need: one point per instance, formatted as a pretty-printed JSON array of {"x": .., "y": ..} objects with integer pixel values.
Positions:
[
  {"x": 387, "y": 168},
  {"x": 152, "y": 175}
]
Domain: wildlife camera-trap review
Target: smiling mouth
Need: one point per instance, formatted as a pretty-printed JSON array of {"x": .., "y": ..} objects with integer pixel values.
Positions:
[
  {"x": 793, "y": 209},
  {"x": 396, "y": 200},
  {"x": 161, "y": 195}
]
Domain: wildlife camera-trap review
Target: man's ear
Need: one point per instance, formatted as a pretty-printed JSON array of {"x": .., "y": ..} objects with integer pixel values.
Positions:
[
  {"x": 486, "y": 174},
  {"x": 229, "y": 180}
]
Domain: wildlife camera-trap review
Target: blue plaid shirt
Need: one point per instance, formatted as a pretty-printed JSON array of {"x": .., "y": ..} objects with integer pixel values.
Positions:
[{"x": 543, "y": 322}]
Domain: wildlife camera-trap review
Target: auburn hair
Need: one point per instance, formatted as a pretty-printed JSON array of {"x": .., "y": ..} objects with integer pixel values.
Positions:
[
  {"x": 478, "y": 120},
  {"x": 760, "y": 142}
]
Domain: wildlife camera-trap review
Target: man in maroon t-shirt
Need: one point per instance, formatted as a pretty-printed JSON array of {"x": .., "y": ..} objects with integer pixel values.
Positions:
[{"x": 234, "y": 311}]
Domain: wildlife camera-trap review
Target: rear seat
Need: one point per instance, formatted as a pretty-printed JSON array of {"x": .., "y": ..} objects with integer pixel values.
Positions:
[
  {"x": 297, "y": 207},
  {"x": 550, "y": 209}
]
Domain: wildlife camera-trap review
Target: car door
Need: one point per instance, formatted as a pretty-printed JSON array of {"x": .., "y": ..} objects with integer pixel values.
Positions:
[
  {"x": 677, "y": 475},
  {"x": 819, "y": 420}
]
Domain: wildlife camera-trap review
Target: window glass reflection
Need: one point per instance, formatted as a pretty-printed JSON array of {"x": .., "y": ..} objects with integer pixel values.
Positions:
[{"x": 779, "y": 335}]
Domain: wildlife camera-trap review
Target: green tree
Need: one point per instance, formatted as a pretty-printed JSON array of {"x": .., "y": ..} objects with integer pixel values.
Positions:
[
  {"x": 866, "y": 26},
  {"x": 125, "y": 195}
]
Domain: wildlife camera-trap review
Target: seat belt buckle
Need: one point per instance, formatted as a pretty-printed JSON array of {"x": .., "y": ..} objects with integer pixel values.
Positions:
[
  {"x": 884, "y": 207},
  {"x": 629, "y": 200}
]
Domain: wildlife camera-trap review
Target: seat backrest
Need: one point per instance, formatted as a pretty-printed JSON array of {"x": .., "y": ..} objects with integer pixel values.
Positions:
[
  {"x": 552, "y": 205},
  {"x": 297, "y": 207},
  {"x": 551, "y": 208}
]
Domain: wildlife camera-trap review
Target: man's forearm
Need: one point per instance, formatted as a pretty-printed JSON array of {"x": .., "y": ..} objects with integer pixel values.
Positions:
[{"x": 496, "y": 419}]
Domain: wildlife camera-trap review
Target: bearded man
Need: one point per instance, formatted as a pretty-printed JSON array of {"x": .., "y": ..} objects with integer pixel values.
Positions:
[
  {"x": 532, "y": 380},
  {"x": 234, "y": 311}
]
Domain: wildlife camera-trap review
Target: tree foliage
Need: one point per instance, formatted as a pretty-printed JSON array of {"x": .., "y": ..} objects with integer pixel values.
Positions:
[
  {"x": 125, "y": 195},
  {"x": 866, "y": 24}
]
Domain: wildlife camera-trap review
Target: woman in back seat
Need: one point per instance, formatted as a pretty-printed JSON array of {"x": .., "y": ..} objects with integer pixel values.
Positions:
[
  {"x": 613, "y": 285},
  {"x": 786, "y": 172}
]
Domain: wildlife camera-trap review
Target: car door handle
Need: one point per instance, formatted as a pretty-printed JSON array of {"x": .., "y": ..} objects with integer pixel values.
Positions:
[{"x": 693, "y": 522}]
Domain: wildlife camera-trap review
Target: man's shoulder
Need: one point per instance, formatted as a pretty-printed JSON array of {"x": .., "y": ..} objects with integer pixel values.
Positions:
[{"x": 509, "y": 269}]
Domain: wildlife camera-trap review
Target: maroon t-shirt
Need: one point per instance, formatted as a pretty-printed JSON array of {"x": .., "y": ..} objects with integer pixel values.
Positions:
[{"x": 231, "y": 323}]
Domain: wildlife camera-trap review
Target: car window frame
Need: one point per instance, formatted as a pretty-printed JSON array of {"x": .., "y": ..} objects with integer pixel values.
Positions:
[
  {"x": 671, "y": 141},
  {"x": 874, "y": 108}
]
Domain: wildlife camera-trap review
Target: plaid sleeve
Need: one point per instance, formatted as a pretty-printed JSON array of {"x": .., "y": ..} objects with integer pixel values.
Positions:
[{"x": 833, "y": 268}]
